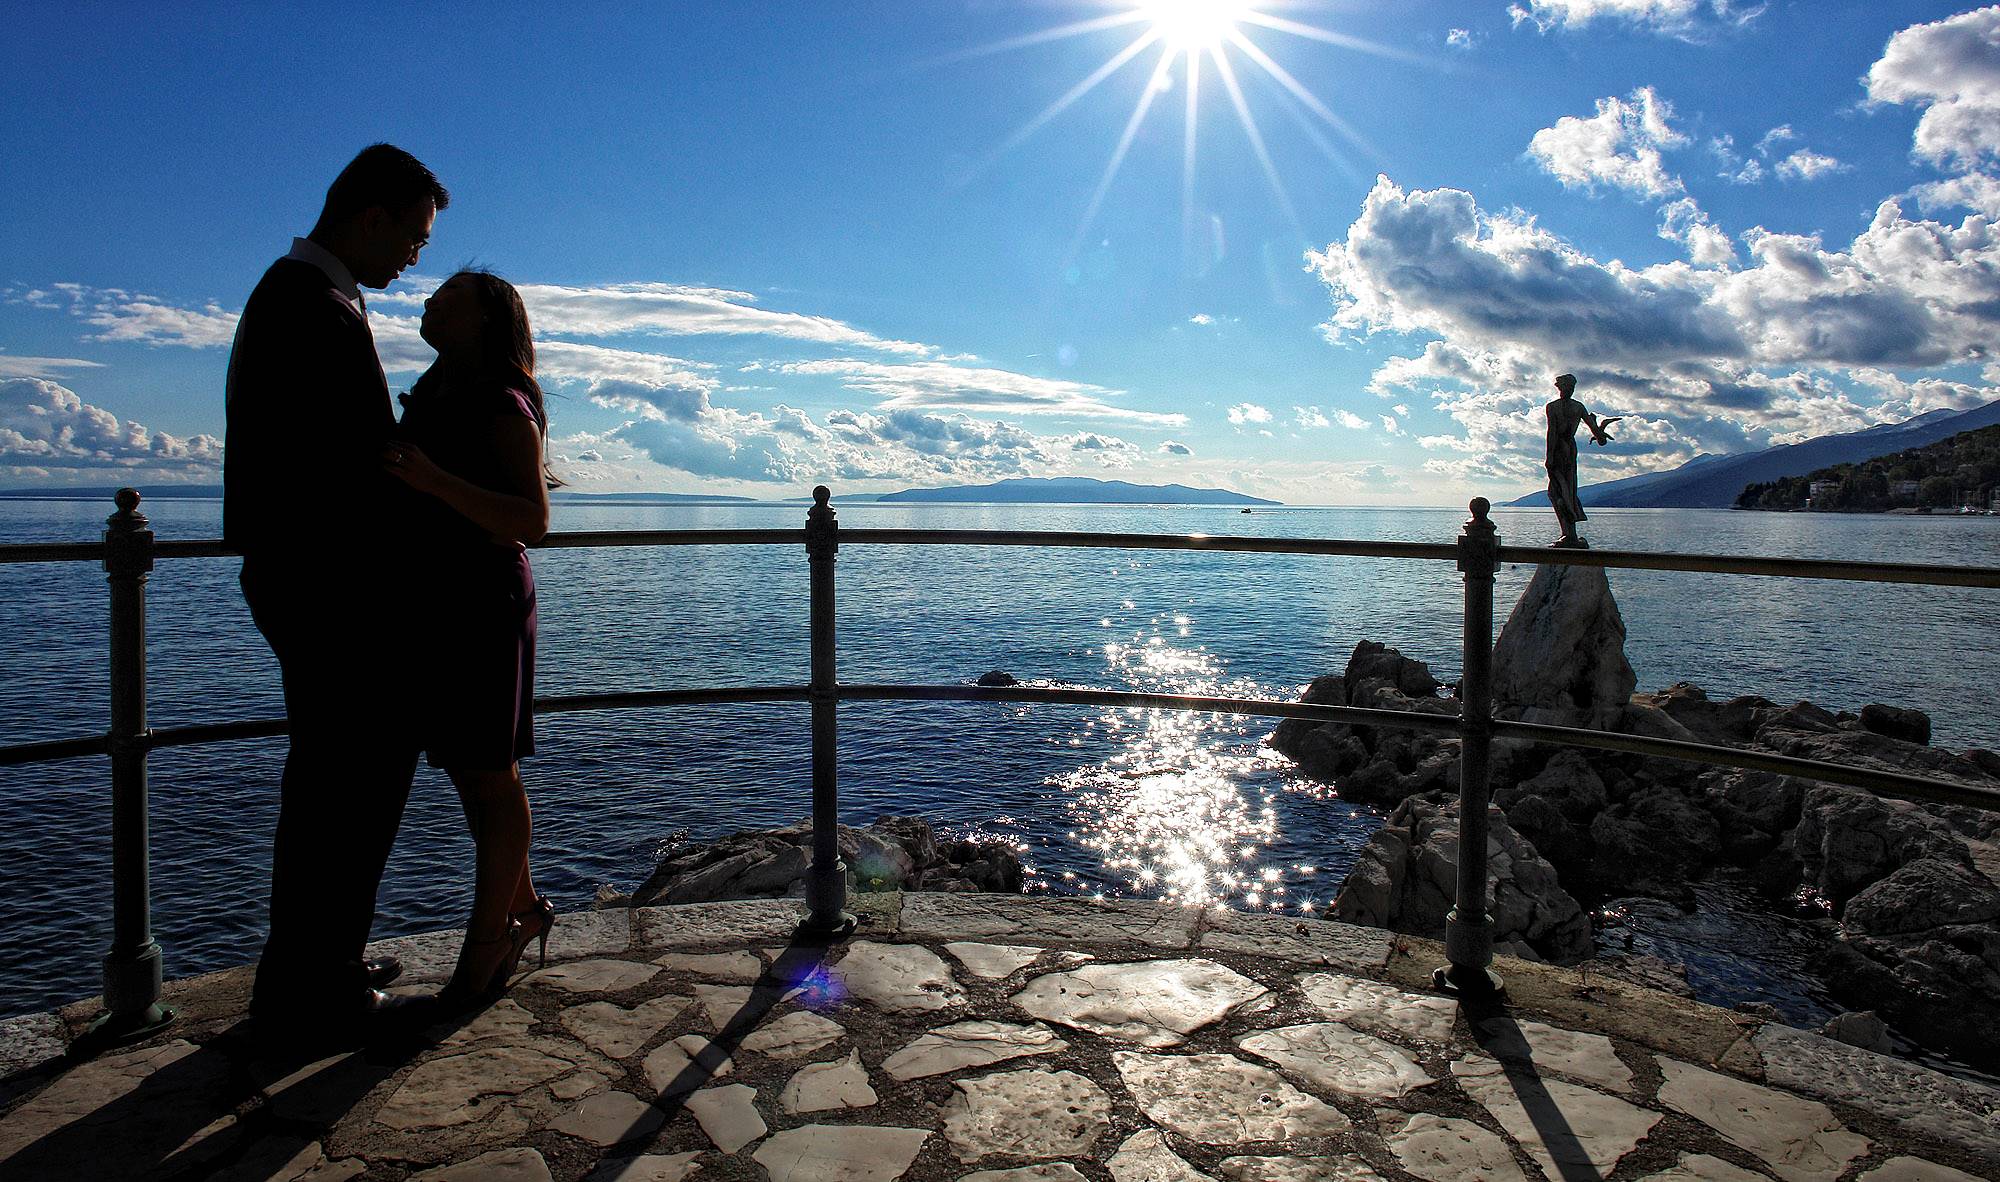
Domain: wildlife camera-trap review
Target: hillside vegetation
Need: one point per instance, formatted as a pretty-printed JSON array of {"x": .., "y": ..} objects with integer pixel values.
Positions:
[{"x": 1952, "y": 471}]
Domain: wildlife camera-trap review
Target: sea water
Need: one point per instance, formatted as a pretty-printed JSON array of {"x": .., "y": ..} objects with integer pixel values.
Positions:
[{"x": 1119, "y": 803}]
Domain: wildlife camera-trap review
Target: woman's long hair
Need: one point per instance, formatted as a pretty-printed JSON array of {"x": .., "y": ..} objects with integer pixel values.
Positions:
[{"x": 507, "y": 346}]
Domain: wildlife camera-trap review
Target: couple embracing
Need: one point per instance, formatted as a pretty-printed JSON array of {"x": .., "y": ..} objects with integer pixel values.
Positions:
[{"x": 385, "y": 563}]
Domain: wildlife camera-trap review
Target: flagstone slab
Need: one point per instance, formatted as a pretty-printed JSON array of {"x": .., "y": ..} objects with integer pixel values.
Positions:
[
  {"x": 793, "y": 1036},
  {"x": 647, "y": 1167},
  {"x": 449, "y": 1091},
  {"x": 820, "y": 1087},
  {"x": 428, "y": 957},
  {"x": 1300, "y": 941},
  {"x": 1045, "y": 1171},
  {"x": 684, "y": 1064},
  {"x": 1588, "y": 1057},
  {"x": 902, "y": 977},
  {"x": 1222, "y": 1100},
  {"x": 578, "y": 1085},
  {"x": 323, "y": 1092},
  {"x": 588, "y": 933},
  {"x": 728, "y": 1115},
  {"x": 501, "y": 1165},
  {"x": 1447, "y": 1149},
  {"x": 1704, "y": 1167},
  {"x": 1145, "y": 1157},
  {"x": 608, "y": 1118},
  {"x": 617, "y": 1031},
  {"x": 840, "y": 1153},
  {"x": 1956, "y": 1111},
  {"x": 30, "y": 1041},
  {"x": 594, "y": 976},
  {"x": 1296, "y": 1169},
  {"x": 1029, "y": 1113},
  {"x": 738, "y": 923},
  {"x": 97, "y": 1093},
  {"x": 1154, "y": 1003},
  {"x": 1332, "y": 1056},
  {"x": 721, "y": 966},
  {"x": 977, "y": 1043},
  {"x": 1800, "y": 1139},
  {"x": 992, "y": 961},
  {"x": 1570, "y": 1130},
  {"x": 274, "y": 1159},
  {"x": 1915, "y": 1169},
  {"x": 1058, "y": 922},
  {"x": 504, "y": 1019},
  {"x": 1380, "y": 1009}
]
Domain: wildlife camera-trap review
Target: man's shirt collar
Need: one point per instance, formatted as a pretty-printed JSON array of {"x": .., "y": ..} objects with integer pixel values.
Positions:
[{"x": 305, "y": 250}]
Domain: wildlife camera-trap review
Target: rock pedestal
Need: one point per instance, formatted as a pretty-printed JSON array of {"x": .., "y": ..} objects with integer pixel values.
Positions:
[{"x": 1560, "y": 659}]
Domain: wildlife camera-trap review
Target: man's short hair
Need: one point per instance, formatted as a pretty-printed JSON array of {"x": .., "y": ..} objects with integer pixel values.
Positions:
[
  {"x": 383, "y": 175},
  {"x": 1566, "y": 380}
]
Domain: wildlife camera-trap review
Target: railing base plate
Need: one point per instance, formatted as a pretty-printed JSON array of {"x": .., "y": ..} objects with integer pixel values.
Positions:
[
  {"x": 1468, "y": 984},
  {"x": 112, "y": 1029},
  {"x": 814, "y": 930}
]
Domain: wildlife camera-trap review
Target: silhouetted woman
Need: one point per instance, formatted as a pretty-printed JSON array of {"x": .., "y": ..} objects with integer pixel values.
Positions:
[{"x": 473, "y": 437}]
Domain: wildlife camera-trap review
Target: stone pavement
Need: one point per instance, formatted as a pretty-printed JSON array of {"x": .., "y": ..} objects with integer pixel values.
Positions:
[{"x": 985, "y": 1038}]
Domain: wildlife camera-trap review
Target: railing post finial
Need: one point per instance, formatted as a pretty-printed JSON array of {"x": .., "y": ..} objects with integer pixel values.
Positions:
[{"x": 132, "y": 1008}]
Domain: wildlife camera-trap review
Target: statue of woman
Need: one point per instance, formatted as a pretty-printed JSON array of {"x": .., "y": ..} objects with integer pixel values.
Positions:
[{"x": 1564, "y": 414}]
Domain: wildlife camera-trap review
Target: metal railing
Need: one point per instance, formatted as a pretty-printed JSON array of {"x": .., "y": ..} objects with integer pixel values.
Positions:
[{"x": 132, "y": 973}]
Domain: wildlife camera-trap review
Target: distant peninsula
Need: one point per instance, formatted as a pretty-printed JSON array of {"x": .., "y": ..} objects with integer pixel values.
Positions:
[{"x": 1075, "y": 490}]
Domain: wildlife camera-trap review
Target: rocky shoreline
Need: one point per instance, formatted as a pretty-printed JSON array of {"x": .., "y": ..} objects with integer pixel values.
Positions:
[{"x": 1904, "y": 893}]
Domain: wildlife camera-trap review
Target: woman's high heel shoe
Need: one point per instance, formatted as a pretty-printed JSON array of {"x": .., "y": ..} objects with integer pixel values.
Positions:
[
  {"x": 460, "y": 992},
  {"x": 533, "y": 924}
]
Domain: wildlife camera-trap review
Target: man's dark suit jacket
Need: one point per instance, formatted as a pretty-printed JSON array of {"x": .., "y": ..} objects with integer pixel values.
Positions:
[{"x": 308, "y": 412}]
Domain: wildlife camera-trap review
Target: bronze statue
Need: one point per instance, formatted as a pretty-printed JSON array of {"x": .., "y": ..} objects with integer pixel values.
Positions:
[{"x": 1564, "y": 414}]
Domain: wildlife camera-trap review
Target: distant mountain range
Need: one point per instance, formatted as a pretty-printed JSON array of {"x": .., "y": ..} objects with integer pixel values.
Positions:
[
  {"x": 1713, "y": 482},
  {"x": 1076, "y": 490}
]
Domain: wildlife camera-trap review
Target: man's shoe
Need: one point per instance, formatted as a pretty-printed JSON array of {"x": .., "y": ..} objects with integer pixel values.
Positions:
[{"x": 381, "y": 970}]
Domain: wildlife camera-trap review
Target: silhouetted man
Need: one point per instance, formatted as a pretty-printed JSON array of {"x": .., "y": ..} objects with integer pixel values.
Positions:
[
  {"x": 1564, "y": 414},
  {"x": 306, "y": 501}
]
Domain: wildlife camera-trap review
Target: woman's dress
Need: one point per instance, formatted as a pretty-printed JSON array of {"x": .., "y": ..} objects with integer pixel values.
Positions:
[{"x": 474, "y": 596}]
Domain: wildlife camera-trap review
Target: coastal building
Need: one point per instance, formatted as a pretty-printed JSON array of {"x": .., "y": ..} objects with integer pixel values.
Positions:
[
  {"x": 1902, "y": 490},
  {"x": 1819, "y": 494}
]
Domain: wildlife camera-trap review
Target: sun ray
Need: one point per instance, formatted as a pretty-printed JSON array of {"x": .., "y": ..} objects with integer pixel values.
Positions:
[
  {"x": 1296, "y": 112},
  {"x": 1078, "y": 91},
  {"x": 1188, "y": 143},
  {"x": 1044, "y": 36},
  {"x": 1139, "y": 110},
  {"x": 1344, "y": 40},
  {"x": 1228, "y": 75},
  {"x": 1299, "y": 91}
]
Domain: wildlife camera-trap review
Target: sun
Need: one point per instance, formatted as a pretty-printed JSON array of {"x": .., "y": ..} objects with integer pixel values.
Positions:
[{"x": 1194, "y": 26}]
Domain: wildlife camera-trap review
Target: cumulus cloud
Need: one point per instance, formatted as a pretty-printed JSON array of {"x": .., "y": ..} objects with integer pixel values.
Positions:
[
  {"x": 1459, "y": 38},
  {"x": 1176, "y": 449},
  {"x": 1806, "y": 165},
  {"x": 934, "y": 385},
  {"x": 46, "y": 428},
  {"x": 1201, "y": 318},
  {"x": 125, "y": 316},
  {"x": 1619, "y": 146},
  {"x": 1248, "y": 412},
  {"x": 1950, "y": 68},
  {"x": 1975, "y": 191},
  {"x": 1350, "y": 420},
  {"x": 1310, "y": 418},
  {"x": 1675, "y": 18},
  {"x": 1684, "y": 222}
]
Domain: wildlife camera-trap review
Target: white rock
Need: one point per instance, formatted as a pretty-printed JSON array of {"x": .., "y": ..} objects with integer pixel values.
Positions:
[
  {"x": 445, "y": 1092},
  {"x": 1296, "y": 1169},
  {"x": 1031, "y": 1113},
  {"x": 578, "y": 1085},
  {"x": 1333, "y": 1056},
  {"x": 649, "y": 1167},
  {"x": 1144, "y": 1157},
  {"x": 1221, "y": 1100},
  {"x": 1703, "y": 1167},
  {"x": 723, "y": 966},
  {"x": 684, "y": 1064},
  {"x": 840, "y": 1153},
  {"x": 1048, "y": 1171},
  {"x": 1380, "y": 1009},
  {"x": 1299, "y": 941},
  {"x": 613, "y": 1030},
  {"x": 1596, "y": 1131},
  {"x": 503, "y": 1019},
  {"x": 1154, "y": 1003},
  {"x": 608, "y": 1118},
  {"x": 978, "y": 1043},
  {"x": 792, "y": 1035},
  {"x": 501, "y": 1165},
  {"x": 1588, "y": 1057},
  {"x": 728, "y": 1115},
  {"x": 1058, "y": 922},
  {"x": 1909, "y": 1095},
  {"x": 1915, "y": 1169},
  {"x": 735, "y": 923},
  {"x": 818, "y": 1087},
  {"x": 896, "y": 976},
  {"x": 1445, "y": 1149},
  {"x": 992, "y": 961},
  {"x": 593, "y": 976},
  {"x": 1800, "y": 1139}
]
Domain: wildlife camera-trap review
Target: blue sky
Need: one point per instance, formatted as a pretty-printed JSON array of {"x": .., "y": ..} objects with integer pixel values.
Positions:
[{"x": 767, "y": 246}]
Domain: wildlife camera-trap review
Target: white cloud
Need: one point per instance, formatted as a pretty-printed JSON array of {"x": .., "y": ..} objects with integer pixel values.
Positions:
[
  {"x": 1676, "y": 18},
  {"x": 40, "y": 367},
  {"x": 1201, "y": 318},
  {"x": 1350, "y": 420},
  {"x": 1619, "y": 146},
  {"x": 932, "y": 385},
  {"x": 125, "y": 316},
  {"x": 1772, "y": 138},
  {"x": 1806, "y": 165},
  {"x": 45, "y": 428},
  {"x": 1176, "y": 449},
  {"x": 1392, "y": 424},
  {"x": 1459, "y": 38},
  {"x": 1951, "y": 68},
  {"x": 1310, "y": 418},
  {"x": 1975, "y": 191},
  {"x": 1401, "y": 410},
  {"x": 1248, "y": 412},
  {"x": 1684, "y": 222}
]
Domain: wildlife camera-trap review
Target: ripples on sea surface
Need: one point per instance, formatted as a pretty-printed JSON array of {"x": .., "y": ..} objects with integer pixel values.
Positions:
[{"x": 1113, "y": 803}]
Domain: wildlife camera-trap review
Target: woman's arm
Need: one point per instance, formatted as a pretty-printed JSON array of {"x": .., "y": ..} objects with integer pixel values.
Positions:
[{"x": 517, "y": 513}]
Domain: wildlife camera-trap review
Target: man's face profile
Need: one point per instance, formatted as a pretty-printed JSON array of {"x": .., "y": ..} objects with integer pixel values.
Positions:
[{"x": 393, "y": 241}]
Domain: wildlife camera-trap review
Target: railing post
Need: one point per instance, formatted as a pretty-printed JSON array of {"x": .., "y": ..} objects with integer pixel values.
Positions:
[
  {"x": 132, "y": 1006},
  {"x": 826, "y": 882},
  {"x": 1468, "y": 930}
]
